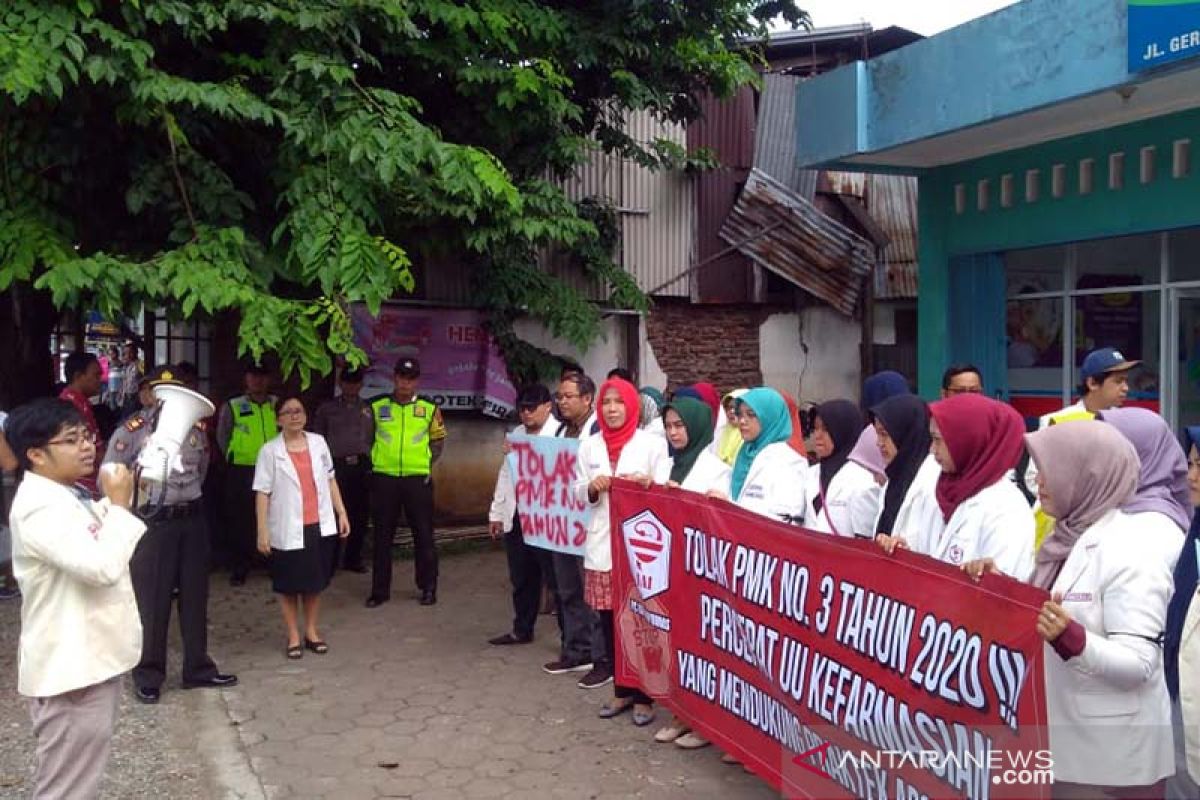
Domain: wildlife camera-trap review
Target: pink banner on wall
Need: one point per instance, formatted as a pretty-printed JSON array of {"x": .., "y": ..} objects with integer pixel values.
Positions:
[{"x": 461, "y": 367}]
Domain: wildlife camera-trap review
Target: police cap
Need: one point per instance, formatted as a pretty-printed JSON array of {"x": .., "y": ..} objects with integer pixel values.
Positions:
[{"x": 408, "y": 367}]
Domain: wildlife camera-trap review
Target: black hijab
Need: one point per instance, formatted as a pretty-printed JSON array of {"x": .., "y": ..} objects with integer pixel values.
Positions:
[
  {"x": 906, "y": 419},
  {"x": 844, "y": 422}
]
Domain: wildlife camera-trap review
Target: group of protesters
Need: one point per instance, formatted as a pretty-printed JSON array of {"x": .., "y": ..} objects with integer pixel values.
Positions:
[{"x": 1093, "y": 506}]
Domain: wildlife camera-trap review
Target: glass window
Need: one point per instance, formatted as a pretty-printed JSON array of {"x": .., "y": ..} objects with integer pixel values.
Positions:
[
  {"x": 1184, "y": 248},
  {"x": 1128, "y": 321},
  {"x": 1038, "y": 269},
  {"x": 1124, "y": 261}
]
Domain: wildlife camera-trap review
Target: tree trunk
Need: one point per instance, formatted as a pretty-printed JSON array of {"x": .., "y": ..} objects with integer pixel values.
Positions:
[{"x": 27, "y": 319}]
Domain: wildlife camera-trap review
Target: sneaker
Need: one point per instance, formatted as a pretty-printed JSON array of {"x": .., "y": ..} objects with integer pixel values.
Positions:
[
  {"x": 565, "y": 665},
  {"x": 691, "y": 741},
  {"x": 596, "y": 678}
]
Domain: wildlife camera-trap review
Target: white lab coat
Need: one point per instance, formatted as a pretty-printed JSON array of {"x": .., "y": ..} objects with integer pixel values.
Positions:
[
  {"x": 275, "y": 475},
  {"x": 644, "y": 454},
  {"x": 655, "y": 426},
  {"x": 1189, "y": 680},
  {"x": 79, "y": 619},
  {"x": 1109, "y": 714},
  {"x": 851, "y": 504},
  {"x": 995, "y": 523},
  {"x": 504, "y": 496},
  {"x": 914, "y": 517},
  {"x": 775, "y": 485},
  {"x": 708, "y": 474}
]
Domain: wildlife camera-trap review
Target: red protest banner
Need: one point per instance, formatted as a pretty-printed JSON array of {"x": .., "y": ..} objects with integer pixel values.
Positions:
[{"x": 828, "y": 667}]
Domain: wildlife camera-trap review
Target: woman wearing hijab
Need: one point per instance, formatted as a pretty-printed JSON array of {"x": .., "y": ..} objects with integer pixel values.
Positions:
[
  {"x": 624, "y": 450},
  {"x": 650, "y": 404},
  {"x": 728, "y": 438},
  {"x": 796, "y": 441},
  {"x": 768, "y": 476},
  {"x": 694, "y": 468},
  {"x": 1110, "y": 581},
  {"x": 705, "y": 393},
  {"x": 843, "y": 496},
  {"x": 866, "y": 454},
  {"x": 881, "y": 386},
  {"x": 980, "y": 513},
  {"x": 1162, "y": 492},
  {"x": 902, "y": 426},
  {"x": 1181, "y": 648}
]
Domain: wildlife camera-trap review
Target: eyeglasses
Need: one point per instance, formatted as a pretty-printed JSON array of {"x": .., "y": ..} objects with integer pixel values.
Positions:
[
  {"x": 75, "y": 440},
  {"x": 566, "y": 396},
  {"x": 745, "y": 413}
]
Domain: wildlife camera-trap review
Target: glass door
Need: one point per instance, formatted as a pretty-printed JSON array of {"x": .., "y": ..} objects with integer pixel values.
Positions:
[{"x": 1183, "y": 402}]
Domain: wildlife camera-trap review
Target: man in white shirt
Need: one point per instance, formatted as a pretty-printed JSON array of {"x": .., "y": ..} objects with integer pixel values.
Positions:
[
  {"x": 80, "y": 630},
  {"x": 526, "y": 564}
]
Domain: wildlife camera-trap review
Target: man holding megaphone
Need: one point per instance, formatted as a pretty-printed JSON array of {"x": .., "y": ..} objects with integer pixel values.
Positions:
[{"x": 175, "y": 550}]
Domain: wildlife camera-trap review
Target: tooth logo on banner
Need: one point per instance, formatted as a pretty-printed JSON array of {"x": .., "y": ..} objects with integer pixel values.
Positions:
[{"x": 648, "y": 545}]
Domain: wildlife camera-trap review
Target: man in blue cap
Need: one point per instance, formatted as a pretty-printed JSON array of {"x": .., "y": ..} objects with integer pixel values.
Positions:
[{"x": 1104, "y": 377}]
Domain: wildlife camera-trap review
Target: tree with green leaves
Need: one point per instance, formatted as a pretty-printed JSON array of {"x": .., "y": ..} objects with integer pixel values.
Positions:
[{"x": 282, "y": 159}]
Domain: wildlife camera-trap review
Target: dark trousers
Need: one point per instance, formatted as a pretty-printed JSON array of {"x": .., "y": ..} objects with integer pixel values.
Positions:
[
  {"x": 608, "y": 629},
  {"x": 172, "y": 553},
  {"x": 352, "y": 483},
  {"x": 575, "y": 618},
  {"x": 413, "y": 494},
  {"x": 241, "y": 528},
  {"x": 525, "y": 571}
]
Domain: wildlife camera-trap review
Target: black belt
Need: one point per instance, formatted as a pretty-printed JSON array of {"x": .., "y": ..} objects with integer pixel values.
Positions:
[
  {"x": 353, "y": 461},
  {"x": 178, "y": 511}
]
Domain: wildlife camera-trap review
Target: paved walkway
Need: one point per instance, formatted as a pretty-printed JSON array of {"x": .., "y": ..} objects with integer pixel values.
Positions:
[{"x": 411, "y": 702}]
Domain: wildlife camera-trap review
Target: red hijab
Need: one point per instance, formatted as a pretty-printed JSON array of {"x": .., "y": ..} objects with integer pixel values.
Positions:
[
  {"x": 615, "y": 439},
  {"x": 708, "y": 393},
  {"x": 985, "y": 438},
  {"x": 796, "y": 442}
]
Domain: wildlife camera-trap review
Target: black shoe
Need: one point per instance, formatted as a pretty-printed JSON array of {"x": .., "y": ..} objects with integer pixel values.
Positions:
[
  {"x": 428, "y": 597},
  {"x": 373, "y": 601},
  {"x": 509, "y": 638},
  {"x": 217, "y": 681},
  {"x": 361, "y": 569},
  {"x": 146, "y": 694},
  {"x": 564, "y": 665},
  {"x": 237, "y": 579},
  {"x": 596, "y": 678}
]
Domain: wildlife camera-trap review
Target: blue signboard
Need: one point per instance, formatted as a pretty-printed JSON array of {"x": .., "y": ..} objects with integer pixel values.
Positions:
[{"x": 1162, "y": 32}]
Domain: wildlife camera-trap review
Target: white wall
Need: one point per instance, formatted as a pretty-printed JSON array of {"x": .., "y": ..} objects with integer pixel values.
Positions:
[
  {"x": 649, "y": 372},
  {"x": 830, "y": 368},
  {"x": 780, "y": 353}
]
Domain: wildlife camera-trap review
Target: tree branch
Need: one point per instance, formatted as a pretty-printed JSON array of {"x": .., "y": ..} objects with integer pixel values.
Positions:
[{"x": 183, "y": 193}]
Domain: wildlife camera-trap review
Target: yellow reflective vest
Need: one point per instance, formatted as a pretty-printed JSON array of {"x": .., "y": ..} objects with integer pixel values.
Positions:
[
  {"x": 403, "y": 433},
  {"x": 253, "y": 426}
]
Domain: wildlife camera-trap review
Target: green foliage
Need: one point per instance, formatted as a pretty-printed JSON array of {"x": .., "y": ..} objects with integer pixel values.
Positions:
[{"x": 285, "y": 158}]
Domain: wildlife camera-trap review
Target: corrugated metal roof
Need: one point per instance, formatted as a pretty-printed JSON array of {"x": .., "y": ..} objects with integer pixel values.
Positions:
[
  {"x": 775, "y": 138},
  {"x": 727, "y": 128},
  {"x": 891, "y": 201},
  {"x": 849, "y": 183},
  {"x": 812, "y": 250},
  {"x": 658, "y": 220}
]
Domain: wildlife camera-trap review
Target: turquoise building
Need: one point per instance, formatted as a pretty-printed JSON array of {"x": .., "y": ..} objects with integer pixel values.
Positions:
[{"x": 1056, "y": 145}]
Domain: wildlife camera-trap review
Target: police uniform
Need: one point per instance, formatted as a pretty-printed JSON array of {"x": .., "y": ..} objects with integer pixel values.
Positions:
[
  {"x": 243, "y": 427},
  {"x": 401, "y": 464},
  {"x": 173, "y": 554},
  {"x": 349, "y": 428}
]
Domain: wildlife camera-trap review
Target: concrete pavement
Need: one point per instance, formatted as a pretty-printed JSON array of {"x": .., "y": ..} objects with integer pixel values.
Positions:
[{"x": 409, "y": 702}]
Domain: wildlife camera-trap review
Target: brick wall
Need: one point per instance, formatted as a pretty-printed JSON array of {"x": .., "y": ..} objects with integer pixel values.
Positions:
[{"x": 718, "y": 344}]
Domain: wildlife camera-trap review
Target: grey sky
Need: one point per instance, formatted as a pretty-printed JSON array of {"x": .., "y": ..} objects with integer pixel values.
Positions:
[{"x": 923, "y": 16}]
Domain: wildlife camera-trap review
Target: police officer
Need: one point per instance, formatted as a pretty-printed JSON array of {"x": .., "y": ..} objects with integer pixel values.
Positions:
[
  {"x": 409, "y": 435},
  {"x": 245, "y": 424},
  {"x": 348, "y": 427},
  {"x": 173, "y": 553}
]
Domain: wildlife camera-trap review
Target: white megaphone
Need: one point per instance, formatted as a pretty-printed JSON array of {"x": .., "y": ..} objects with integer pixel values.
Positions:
[{"x": 179, "y": 409}]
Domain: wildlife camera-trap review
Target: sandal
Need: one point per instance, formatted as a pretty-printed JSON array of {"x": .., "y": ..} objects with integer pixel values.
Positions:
[
  {"x": 294, "y": 651},
  {"x": 316, "y": 645},
  {"x": 643, "y": 716}
]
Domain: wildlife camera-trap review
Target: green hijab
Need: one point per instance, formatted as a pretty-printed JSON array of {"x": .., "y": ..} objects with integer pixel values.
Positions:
[{"x": 697, "y": 418}]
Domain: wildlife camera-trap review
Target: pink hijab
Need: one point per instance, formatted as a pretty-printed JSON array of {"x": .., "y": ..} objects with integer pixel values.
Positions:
[{"x": 1089, "y": 469}]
